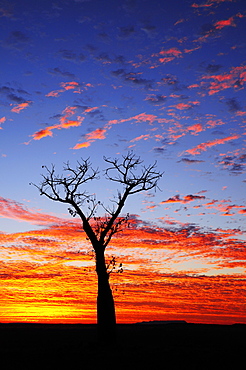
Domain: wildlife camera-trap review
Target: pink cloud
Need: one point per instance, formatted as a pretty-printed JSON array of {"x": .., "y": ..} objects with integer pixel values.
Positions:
[
  {"x": 166, "y": 59},
  {"x": 204, "y": 146},
  {"x": 2, "y": 120},
  {"x": 69, "y": 85},
  {"x": 195, "y": 129},
  {"x": 234, "y": 79},
  {"x": 194, "y": 5},
  {"x": 72, "y": 85},
  {"x": 183, "y": 106},
  {"x": 97, "y": 134},
  {"x": 166, "y": 56},
  {"x": 191, "y": 50},
  {"x": 142, "y": 117},
  {"x": 173, "y": 51},
  {"x": 141, "y": 137},
  {"x": 18, "y": 108},
  {"x": 16, "y": 211}
]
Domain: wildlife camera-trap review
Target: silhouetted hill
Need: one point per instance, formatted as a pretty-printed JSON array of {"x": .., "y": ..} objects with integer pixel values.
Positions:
[{"x": 173, "y": 346}]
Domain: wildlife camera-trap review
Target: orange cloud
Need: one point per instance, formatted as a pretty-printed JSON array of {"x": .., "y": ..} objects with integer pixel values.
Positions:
[
  {"x": 204, "y": 146},
  {"x": 82, "y": 145},
  {"x": 69, "y": 85},
  {"x": 20, "y": 107},
  {"x": 64, "y": 123},
  {"x": 56, "y": 264},
  {"x": 98, "y": 134},
  {"x": 43, "y": 133}
]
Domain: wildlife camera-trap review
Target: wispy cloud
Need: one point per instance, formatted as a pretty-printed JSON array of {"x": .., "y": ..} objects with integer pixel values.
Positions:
[
  {"x": 186, "y": 199},
  {"x": 204, "y": 146},
  {"x": 19, "y": 107},
  {"x": 14, "y": 210},
  {"x": 235, "y": 79},
  {"x": 73, "y": 85},
  {"x": 98, "y": 134},
  {"x": 65, "y": 123}
]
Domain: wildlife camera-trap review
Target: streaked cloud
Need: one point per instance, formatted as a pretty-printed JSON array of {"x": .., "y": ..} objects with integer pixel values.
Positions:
[
  {"x": 204, "y": 146},
  {"x": 185, "y": 199},
  {"x": 18, "y": 108},
  {"x": 17, "y": 211}
]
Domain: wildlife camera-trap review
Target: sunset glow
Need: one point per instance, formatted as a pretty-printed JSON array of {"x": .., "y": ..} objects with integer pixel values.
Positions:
[{"x": 96, "y": 79}]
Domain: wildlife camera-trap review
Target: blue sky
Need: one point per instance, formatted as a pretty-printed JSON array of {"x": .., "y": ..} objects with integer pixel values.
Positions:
[
  {"x": 169, "y": 76},
  {"x": 90, "y": 78}
]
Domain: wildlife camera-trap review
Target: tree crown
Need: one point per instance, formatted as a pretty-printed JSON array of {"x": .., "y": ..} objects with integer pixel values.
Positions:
[{"x": 129, "y": 172}]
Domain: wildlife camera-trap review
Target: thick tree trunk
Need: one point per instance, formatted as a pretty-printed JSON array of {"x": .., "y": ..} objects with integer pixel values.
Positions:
[{"x": 106, "y": 319}]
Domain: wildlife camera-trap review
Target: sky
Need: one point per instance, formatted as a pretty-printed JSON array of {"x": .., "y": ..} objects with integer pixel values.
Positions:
[{"x": 88, "y": 79}]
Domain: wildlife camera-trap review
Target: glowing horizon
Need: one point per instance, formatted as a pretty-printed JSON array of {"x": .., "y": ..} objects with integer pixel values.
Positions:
[{"x": 96, "y": 79}]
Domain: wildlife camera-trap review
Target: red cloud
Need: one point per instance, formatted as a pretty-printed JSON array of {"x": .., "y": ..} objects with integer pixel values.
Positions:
[
  {"x": 194, "y": 5},
  {"x": 204, "y": 146},
  {"x": 182, "y": 106},
  {"x": 242, "y": 211},
  {"x": 222, "y": 24}
]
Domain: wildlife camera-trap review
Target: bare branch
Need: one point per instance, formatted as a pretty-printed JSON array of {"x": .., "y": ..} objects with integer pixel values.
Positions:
[{"x": 128, "y": 172}]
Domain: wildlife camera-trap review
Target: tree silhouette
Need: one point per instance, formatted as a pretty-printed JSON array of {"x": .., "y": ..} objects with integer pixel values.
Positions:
[{"x": 133, "y": 178}]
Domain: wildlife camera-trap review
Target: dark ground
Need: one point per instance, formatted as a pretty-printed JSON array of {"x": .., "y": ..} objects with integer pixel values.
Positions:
[{"x": 139, "y": 346}]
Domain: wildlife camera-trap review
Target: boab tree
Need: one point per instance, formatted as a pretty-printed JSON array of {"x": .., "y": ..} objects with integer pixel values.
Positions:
[{"x": 133, "y": 177}]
